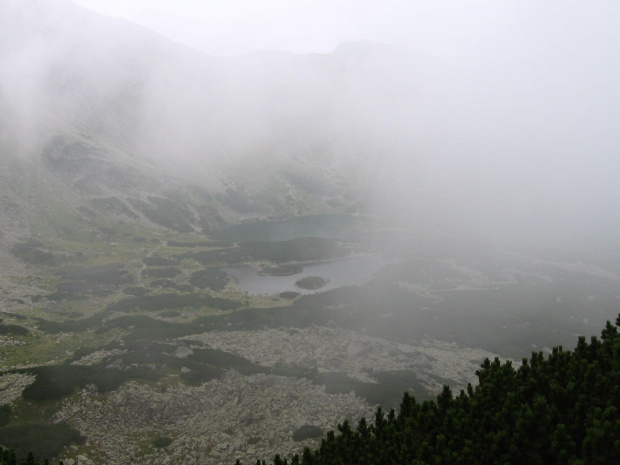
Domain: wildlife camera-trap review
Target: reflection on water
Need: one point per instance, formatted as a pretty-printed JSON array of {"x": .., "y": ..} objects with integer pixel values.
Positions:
[{"x": 355, "y": 270}]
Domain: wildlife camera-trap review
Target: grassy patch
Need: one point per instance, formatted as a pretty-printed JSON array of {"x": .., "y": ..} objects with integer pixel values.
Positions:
[
  {"x": 218, "y": 358},
  {"x": 5, "y": 415},
  {"x": 72, "y": 325},
  {"x": 63, "y": 295},
  {"x": 114, "y": 205},
  {"x": 31, "y": 252},
  {"x": 44, "y": 348},
  {"x": 162, "y": 442},
  {"x": 96, "y": 276},
  {"x": 14, "y": 330},
  {"x": 165, "y": 212},
  {"x": 17, "y": 316},
  {"x": 44, "y": 440},
  {"x": 288, "y": 295},
  {"x": 307, "y": 432},
  {"x": 160, "y": 273},
  {"x": 136, "y": 291},
  {"x": 172, "y": 301},
  {"x": 311, "y": 283},
  {"x": 171, "y": 285},
  {"x": 58, "y": 381},
  {"x": 214, "y": 279},
  {"x": 156, "y": 260},
  {"x": 170, "y": 314}
]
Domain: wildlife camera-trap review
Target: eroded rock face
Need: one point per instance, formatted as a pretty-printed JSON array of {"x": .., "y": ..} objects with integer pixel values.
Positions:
[{"x": 236, "y": 417}]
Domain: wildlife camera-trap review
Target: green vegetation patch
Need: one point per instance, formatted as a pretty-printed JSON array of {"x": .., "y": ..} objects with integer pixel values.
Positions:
[
  {"x": 307, "y": 432},
  {"x": 226, "y": 360},
  {"x": 17, "y": 316},
  {"x": 31, "y": 252},
  {"x": 172, "y": 301},
  {"x": 171, "y": 285},
  {"x": 114, "y": 205},
  {"x": 72, "y": 325},
  {"x": 170, "y": 314},
  {"x": 311, "y": 283},
  {"x": 136, "y": 291},
  {"x": 5, "y": 415},
  {"x": 92, "y": 279},
  {"x": 160, "y": 273},
  {"x": 288, "y": 295},
  {"x": 214, "y": 279},
  {"x": 144, "y": 328},
  {"x": 44, "y": 440},
  {"x": 112, "y": 274},
  {"x": 156, "y": 260},
  {"x": 58, "y": 381},
  {"x": 162, "y": 442},
  {"x": 165, "y": 212},
  {"x": 63, "y": 295},
  {"x": 14, "y": 330},
  {"x": 241, "y": 200},
  {"x": 199, "y": 373},
  {"x": 147, "y": 352}
]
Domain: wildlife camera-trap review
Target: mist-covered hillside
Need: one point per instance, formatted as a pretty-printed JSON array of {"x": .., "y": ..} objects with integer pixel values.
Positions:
[
  {"x": 207, "y": 258},
  {"x": 418, "y": 139}
]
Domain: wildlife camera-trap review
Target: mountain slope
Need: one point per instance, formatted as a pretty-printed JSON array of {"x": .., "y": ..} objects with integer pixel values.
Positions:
[{"x": 555, "y": 410}]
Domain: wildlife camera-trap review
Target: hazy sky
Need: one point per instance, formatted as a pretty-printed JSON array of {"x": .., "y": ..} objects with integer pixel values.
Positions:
[
  {"x": 524, "y": 126},
  {"x": 241, "y": 26},
  {"x": 451, "y": 29}
]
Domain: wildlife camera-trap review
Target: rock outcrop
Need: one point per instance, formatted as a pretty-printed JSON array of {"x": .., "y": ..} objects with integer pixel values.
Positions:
[{"x": 236, "y": 417}]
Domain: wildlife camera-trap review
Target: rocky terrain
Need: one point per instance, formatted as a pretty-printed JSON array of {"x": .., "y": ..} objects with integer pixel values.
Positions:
[
  {"x": 351, "y": 353},
  {"x": 235, "y": 417},
  {"x": 12, "y": 385},
  {"x": 246, "y": 417}
]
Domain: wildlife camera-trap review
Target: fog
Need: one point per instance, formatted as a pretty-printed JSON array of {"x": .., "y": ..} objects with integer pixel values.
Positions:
[
  {"x": 493, "y": 120},
  {"x": 228, "y": 226}
]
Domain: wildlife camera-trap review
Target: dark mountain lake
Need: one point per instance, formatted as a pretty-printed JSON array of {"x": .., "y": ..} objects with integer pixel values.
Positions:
[
  {"x": 355, "y": 270},
  {"x": 339, "y": 227}
]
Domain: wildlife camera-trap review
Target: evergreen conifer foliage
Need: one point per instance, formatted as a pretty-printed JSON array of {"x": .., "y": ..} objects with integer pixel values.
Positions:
[{"x": 561, "y": 409}]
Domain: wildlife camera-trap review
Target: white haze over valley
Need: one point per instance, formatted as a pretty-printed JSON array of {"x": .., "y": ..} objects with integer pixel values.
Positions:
[
  {"x": 227, "y": 226},
  {"x": 493, "y": 118}
]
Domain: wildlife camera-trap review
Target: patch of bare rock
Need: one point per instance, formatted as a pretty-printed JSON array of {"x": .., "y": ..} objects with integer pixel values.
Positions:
[
  {"x": 12, "y": 385},
  {"x": 345, "y": 351},
  {"x": 235, "y": 417}
]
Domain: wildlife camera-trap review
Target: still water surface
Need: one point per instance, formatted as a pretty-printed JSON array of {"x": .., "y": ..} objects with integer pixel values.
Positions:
[{"x": 355, "y": 270}]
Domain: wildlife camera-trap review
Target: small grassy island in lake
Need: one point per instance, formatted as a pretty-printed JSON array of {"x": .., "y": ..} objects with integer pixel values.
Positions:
[{"x": 311, "y": 282}]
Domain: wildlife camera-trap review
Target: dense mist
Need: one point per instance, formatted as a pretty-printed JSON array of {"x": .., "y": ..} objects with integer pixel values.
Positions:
[
  {"x": 227, "y": 226},
  {"x": 518, "y": 143}
]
